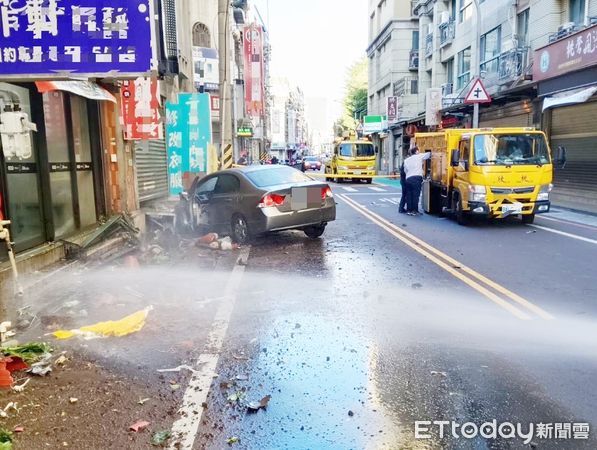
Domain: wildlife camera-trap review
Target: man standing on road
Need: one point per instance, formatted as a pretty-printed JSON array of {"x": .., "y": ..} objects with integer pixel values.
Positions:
[
  {"x": 403, "y": 186},
  {"x": 413, "y": 168}
]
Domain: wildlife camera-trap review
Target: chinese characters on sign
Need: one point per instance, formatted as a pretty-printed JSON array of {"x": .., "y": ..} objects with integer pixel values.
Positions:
[
  {"x": 188, "y": 132},
  {"x": 566, "y": 55},
  {"x": 79, "y": 36},
  {"x": 253, "y": 52},
  {"x": 141, "y": 109}
]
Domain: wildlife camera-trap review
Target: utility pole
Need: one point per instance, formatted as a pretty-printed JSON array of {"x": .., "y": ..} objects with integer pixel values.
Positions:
[
  {"x": 477, "y": 72},
  {"x": 225, "y": 75}
]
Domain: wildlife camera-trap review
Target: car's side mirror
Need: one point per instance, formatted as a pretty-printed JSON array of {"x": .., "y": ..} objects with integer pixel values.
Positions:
[
  {"x": 184, "y": 196},
  {"x": 559, "y": 160},
  {"x": 376, "y": 149},
  {"x": 455, "y": 158}
]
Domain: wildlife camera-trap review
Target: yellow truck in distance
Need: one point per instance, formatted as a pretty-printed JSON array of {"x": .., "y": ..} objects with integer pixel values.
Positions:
[
  {"x": 488, "y": 172},
  {"x": 353, "y": 158}
]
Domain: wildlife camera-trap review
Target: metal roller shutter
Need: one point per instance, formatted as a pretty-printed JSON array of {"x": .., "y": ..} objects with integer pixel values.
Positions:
[
  {"x": 152, "y": 169},
  {"x": 517, "y": 114},
  {"x": 574, "y": 127}
]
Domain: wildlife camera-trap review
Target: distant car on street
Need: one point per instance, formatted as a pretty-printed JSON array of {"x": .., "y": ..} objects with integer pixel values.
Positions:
[
  {"x": 311, "y": 163},
  {"x": 248, "y": 201}
]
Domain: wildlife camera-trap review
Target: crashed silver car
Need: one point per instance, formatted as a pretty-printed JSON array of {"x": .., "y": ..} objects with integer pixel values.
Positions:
[{"x": 248, "y": 201}]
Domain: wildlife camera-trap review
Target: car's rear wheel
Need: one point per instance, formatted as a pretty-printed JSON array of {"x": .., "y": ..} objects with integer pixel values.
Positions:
[
  {"x": 240, "y": 229},
  {"x": 314, "y": 231}
]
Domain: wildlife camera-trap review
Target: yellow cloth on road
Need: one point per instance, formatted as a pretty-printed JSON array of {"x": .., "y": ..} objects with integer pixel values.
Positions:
[{"x": 127, "y": 325}]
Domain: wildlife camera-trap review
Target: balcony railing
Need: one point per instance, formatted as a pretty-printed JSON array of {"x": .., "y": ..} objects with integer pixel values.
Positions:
[
  {"x": 428, "y": 45},
  {"x": 447, "y": 31},
  {"x": 413, "y": 60},
  {"x": 512, "y": 64},
  {"x": 406, "y": 86}
]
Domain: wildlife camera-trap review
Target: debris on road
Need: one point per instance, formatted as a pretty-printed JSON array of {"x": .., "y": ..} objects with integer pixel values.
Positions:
[
  {"x": 117, "y": 328},
  {"x": 15, "y": 364},
  {"x": 30, "y": 352},
  {"x": 232, "y": 440},
  {"x": 42, "y": 367},
  {"x": 5, "y": 439},
  {"x": 160, "y": 437},
  {"x": 207, "y": 239},
  {"x": 21, "y": 387},
  {"x": 178, "y": 369},
  {"x": 73, "y": 400},
  {"x": 436, "y": 373},
  {"x": 139, "y": 426},
  {"x": 5, "y": 333},
  {"x": 241, "y": 377},
  {"x": 143, "y": 400},
  {"x": 213, "y": 241},
  {"x": 256, "y": 406},
  {"x": 18, "y": 429},
  {"x": 61, "y": 360},
  {"x": 350, "y": 413},
  {"x": 236, "y": 397},
  {"x": 416, "y": 285}
]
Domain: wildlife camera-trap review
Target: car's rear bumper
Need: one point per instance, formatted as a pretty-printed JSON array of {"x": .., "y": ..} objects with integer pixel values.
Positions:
[{"x": 274, "y": 220}]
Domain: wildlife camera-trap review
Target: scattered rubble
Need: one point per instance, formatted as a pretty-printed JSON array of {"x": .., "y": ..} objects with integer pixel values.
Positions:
[
  {"x": 139, "y": 426},
  {"x": 160, "y": 437},
  {"x": 256, "y": 406}
]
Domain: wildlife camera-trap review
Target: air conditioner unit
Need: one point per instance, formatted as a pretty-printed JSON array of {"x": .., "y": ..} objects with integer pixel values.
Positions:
[
  {"x": 444, "y": 17},
  {"x": 447, "y": 89}
]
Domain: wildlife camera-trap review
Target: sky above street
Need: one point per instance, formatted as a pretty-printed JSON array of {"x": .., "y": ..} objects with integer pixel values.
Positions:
[{"x": 315, "y": 41}]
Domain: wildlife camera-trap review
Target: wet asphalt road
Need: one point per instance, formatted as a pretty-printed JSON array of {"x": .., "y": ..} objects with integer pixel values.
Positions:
[
  {"x": 384, "y": 321},
  {"x": 357, "y": 335}
]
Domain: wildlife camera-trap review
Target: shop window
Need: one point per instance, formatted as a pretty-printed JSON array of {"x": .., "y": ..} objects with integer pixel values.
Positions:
[
  {"x": 489, "y": 52},
  {"x": 21, "y": 193},
  {"x": 59, "y": 164},
  {"x": 83, "y": 160}
]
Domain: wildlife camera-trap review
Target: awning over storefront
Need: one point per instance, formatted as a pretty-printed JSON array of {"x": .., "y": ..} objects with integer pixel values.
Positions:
[
  {"x": 85, "y": 89},
  {"x": 569, "y": 97}
]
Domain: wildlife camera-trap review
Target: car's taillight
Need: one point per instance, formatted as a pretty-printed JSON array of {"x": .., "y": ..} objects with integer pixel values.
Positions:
[
  {"x": 271, "y": 200},
  {"x": 326, "y": 192}
]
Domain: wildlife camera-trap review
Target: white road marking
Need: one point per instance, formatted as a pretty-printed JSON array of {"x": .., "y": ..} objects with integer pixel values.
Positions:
[
  {"x": 568, "y": 222},
  {"x": 377, "y": 189},
  {"x": 349, "y": 189},
  {"x": 184, "y": 430},
  {"x": 563, "y": 233},
  {"x": 395, "y": 201}
]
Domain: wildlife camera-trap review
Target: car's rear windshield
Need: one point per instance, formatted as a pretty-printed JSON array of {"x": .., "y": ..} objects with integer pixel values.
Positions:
[
  {"x": 279, "y": 175},
  {"x": 310, "y": 158}
]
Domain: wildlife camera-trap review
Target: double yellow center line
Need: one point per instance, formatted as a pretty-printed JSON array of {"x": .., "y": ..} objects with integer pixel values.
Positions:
[{"x": 506, "y": 299}]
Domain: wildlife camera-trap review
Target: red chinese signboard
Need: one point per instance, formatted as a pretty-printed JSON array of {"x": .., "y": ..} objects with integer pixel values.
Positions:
[
  {"x": 575, "y": 52},
  {"x": 140, "y": 109},
  {"x": 253, "y": 56}
]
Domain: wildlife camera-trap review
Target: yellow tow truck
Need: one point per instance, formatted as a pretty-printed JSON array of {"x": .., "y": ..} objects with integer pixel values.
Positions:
[
  {"x": 489, "y": 172},
  {"x": 353, "y": 158}
]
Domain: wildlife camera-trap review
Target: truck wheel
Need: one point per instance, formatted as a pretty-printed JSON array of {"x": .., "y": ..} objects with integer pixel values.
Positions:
[
  {"x": 528, "y": 219},
  {"x": 369, "y": 180},
  {"x": 462, "y": 217}
]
